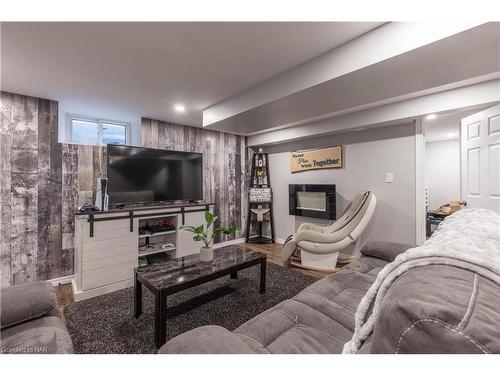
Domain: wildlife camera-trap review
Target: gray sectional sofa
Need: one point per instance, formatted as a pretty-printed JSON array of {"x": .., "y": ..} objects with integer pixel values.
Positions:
[
  {"x": 30, "y": 321},
  {"x": 429, "y": 309}
]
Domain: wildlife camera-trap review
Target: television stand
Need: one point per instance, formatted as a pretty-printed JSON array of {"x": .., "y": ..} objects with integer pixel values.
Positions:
[{"x": 108, "y": 244}]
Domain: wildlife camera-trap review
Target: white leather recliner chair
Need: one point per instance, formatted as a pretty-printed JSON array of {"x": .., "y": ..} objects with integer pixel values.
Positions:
[{"x": 320, "y": 246}]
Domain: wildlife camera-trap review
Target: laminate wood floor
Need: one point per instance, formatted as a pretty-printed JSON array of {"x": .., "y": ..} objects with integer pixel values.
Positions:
[
  {"x": 273, "y": 256},
  {"x": 64, "y": 296}
]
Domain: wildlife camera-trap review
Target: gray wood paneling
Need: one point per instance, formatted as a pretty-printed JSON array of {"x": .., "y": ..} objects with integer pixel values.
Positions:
[
  {"x": 30, "y": 193},
  {"x": 225, "y": 170},
  {"x": 43, "y": 182},
  {"x": 81, "y": 166},
  {"x": 69, "y": 201},
  {"x": 5, "y": 187},
  {"x": 30, "y": 202},
  {"x": 55, "y": 198},
  {"x": 44, "y": 201},
  {"x": 24, "y": 189}
]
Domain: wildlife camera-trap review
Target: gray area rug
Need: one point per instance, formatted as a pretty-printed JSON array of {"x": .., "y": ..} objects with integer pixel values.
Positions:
[{"x": 106, "y": 324}]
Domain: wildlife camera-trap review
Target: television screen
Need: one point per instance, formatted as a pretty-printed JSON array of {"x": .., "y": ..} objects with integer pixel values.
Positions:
[{"x": 137, "y": 174}]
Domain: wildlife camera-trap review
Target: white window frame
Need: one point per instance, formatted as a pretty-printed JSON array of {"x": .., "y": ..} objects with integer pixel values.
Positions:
[{"x": 70, "y": 117}]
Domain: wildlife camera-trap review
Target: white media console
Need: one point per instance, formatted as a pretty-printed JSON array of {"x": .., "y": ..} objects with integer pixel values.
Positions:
[{"x": 108, "y": 244}]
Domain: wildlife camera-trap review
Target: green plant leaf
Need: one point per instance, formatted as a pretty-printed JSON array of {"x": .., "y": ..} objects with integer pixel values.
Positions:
[
  {"x": 229, "y": 230},
  {"x": 209, "y": 217},
  {"x": 217, "y": 231},
  {"x": 188, "y": 228},
  {"x": 198, "y": 238},
  {"x": 224, "y": 230},
  {"x": 198, "y": 230}
]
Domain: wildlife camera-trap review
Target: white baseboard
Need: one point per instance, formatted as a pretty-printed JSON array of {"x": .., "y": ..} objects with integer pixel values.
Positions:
[
  {"x": 80, "y": 295},
  {"x": 62, "y": 280},
  {"x": 227, "y": 243},
  {"x": 242, "y": 240}
]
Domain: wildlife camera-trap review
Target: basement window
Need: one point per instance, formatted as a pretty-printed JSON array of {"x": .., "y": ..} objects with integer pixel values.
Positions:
[{"x": 91, "y": 131}]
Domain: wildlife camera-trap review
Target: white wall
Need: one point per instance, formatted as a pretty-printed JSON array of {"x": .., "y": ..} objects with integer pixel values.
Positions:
[
  {"x": 481, "y": 95},
  {"x": 442, "y": 172},
  {"x": 368, "y": 155},
  {"x": 389, "y": 40}
]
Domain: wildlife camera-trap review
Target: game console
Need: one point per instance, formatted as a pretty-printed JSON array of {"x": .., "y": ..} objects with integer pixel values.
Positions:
[{"x": 101, "y": 196}]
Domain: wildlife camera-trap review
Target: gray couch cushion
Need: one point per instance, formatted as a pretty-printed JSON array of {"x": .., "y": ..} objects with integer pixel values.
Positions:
[
  {"x": 320, "y": 319},
  {"x": 439, "y": 309},
  {"x": 44, "y": 335},
  {"x": 208, "y": 339},
  {"x": 295, "y": 327},
  {"x": 385, "y": 250},
  {"x": 22, "y": 303},
  {"x": 428, "y": 309}
]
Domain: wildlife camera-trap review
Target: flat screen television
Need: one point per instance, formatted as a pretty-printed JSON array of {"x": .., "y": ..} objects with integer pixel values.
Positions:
[{"x": 145, "y": 175}]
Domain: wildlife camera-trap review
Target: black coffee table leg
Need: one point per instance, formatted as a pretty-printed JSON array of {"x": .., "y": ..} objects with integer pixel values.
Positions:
[
  {"x": 137, "y": 297},
  {"x": 160, "y": 319},
  {"x": 234, "y": 275},
  {"x": 263, "y": 275}
]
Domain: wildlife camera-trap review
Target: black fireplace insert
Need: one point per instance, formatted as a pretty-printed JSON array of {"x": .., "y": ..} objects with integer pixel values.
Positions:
[{"x": 312, "y": 200}]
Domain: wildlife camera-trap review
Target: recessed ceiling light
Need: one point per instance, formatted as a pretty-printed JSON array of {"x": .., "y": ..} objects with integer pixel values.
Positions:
[
  {"x": 180, "y": 108},
  {"x": 431, "y": 117},
  {"x": 451, "y": 135}
]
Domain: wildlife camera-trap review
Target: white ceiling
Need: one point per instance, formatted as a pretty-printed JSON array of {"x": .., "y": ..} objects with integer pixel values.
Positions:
[
  {"x": 446, "y": 126},
  {"x": 146, "y": 68},
  {"x": 463, "y": 56}
]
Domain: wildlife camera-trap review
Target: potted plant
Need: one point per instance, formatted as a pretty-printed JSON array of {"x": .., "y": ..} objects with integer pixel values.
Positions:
[{"x": 202, "y": 234}]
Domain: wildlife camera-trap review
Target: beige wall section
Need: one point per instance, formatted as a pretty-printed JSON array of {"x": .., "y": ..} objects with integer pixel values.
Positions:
[{"x": 368, "y": 155}]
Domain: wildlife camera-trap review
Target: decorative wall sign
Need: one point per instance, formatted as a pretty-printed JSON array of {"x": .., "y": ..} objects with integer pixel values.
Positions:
[
  {"x": 316, "y": 159},
  {"x": 258, "y": 195}
]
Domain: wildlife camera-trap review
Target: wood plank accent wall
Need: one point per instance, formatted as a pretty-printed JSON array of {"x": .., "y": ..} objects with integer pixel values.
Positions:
[
  {"x": 225, "y": 166},
  {"x": 43, "y": 182},
  {"x": 81, "y": 166},
  {"x": 31, "y": 191}
]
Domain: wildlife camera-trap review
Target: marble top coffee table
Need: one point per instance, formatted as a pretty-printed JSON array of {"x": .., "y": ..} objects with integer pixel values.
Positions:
[{"x": 172, "y": 276}]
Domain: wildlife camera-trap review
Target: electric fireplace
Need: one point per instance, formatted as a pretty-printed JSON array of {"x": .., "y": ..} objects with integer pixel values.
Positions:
[{"x": 317, "y": 201}]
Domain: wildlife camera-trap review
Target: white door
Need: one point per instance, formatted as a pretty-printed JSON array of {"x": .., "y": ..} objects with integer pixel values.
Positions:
[{"x": 480, "y": 159}]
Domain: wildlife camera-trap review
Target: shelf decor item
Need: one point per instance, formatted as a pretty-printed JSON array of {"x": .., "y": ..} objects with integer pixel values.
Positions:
[
  {"x": 202, "y": 234},
  {"x": 260, "y": 207}
]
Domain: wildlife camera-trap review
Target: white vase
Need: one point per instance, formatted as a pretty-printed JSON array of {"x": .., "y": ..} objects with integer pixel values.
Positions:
[{"x": 206, "y": 254}]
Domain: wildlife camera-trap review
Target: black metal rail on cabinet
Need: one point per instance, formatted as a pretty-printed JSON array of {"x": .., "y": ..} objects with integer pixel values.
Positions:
[{"x": 131, "y": 216}]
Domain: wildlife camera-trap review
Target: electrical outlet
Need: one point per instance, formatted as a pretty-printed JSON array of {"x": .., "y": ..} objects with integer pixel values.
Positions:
[{"x": 389, "y": 177}]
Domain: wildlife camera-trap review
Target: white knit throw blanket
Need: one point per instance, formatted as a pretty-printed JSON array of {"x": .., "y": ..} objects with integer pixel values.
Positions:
[{"x": 467, "y": 239}]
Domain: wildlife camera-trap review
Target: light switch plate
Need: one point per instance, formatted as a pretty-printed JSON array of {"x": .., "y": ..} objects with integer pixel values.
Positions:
[{"x": 389, "y": 177}]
